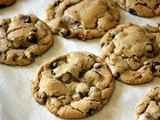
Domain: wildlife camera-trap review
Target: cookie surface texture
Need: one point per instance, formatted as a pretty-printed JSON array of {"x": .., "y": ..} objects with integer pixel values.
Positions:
[
  {"x": 74, "y": 85},
  {"x": 131, "y": 52},
  {"x": 5, "y": 3},
  {"x": 82, "y": 19},
  {"x": 148, "y": 107},
  {"x": 143, "y": 8},
  {"x": 23, "y": 37}
]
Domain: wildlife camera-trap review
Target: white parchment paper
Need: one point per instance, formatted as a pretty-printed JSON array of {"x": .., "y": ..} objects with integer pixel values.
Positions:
[{"x": 16, "y": 101}]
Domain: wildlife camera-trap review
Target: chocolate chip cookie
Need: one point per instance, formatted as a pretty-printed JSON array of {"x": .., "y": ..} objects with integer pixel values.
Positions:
[
  {"x": 143, "y": 8},
  {"x": 148, "y": 108},
  {"x": 74, "y": 85},
  {"x": 23, "y": 37},
  {"x": 131, "y": 52},
  {"x": 5, "y": 3},
  {"x": 82, "y": 19}
]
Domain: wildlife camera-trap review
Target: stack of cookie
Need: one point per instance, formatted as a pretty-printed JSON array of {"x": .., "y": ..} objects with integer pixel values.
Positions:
[{"x": 78, "y": 84}]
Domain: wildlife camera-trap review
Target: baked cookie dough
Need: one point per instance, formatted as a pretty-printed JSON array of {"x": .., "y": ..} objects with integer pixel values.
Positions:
[
  {"x": 5, "y": 3},
  {"x": 23, "y": 37},
  {"x": 148, "y": 108},
  {"x": 74, "y": 85},
  {"x": 82, "y": 19},
  {"x": 143, "y": 8},
  {"x": 131, "y": 52}
]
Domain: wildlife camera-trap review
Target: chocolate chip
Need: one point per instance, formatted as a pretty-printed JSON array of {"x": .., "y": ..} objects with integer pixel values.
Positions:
[
  {"x": 132, "y": 11},
  {"x": 15, "y": 56},
  {"x": 102, "y": 44},
  {"x": 33, "y": 38},
  {"x": 57, "y": 3},
  {"x": 79, "y": 36},
  {"x": 154, "y": 64},
  {"x": 64, "y": 32},
  {"x": 91, "y": 111},
  {"x": 1, "y": 52},
  {"x": 2, "y": 6},
  {"x": 53, "y": 73},
  {"x": 145, "y": 4},
  {"x": 55, "y": 64},
  {"x": 37, "y": 89},
  {"x": 81, "y": 74},
  {"x": 26, "y": 19},
  {"x": 112, "y": 35},
  {"x": 44, "y": 97},
  {"x": 82, "y": 95}
]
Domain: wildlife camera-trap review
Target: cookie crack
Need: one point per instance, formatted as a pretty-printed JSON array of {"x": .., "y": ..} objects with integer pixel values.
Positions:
[{"x": 76, "y": 109}]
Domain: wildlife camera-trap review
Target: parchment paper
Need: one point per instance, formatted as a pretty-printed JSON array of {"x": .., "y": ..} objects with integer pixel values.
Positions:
[{"x": 16, "y": 101}]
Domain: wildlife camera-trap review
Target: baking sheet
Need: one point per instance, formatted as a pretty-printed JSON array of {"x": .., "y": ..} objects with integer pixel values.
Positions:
[{"x": 16, "y": 101}]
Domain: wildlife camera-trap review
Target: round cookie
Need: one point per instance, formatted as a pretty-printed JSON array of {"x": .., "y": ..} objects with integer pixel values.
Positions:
[
  {"x": 143, "y": 8},
  {"x": 130, "y": 51},
  {"x": 23, "y": 37},
  {"x": 148, "y": 107},
  {"x": 5, "y": 3},
  {"x": 74, "y": 85},
  {"x": 82, "y": 19}
]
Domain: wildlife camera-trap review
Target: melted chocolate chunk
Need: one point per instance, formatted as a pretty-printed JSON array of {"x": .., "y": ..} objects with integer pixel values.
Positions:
[
  {"x": 26, "y": 19},
  {"x": 112, "y": 35},
  {"x": 55, "y": 65},
  {"x": 79, "y": 36},
  {"x": 57, "y": 3},
  {"x": 2, "y": 6},
  {"x": 132, "y": 11},
  {"x": 91, "y": 111},
  {"x": 15, "y": 56},
  {"x": 44, "y": 97},
  {"x": 53, "y": 73},
  {"x": 82, "y": 95},
  {"x": 33, "y": 38},
  {"x": 65, "y": 32},
  {"x": 37, "y": 89},
  {"x": 102, "y": 44},
  {"x": 154, "y": 64},
  {"x": 81, "y": 74}
]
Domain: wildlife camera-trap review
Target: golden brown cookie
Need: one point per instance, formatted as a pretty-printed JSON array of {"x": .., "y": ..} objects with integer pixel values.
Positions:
[
  {"x": 131, "y": 52},
  {"x": 23, "y": 37},
  {"x": 143, "y": 8},
  {"x": 74, "y": 85},
  {"x": 82, "y": 19}
]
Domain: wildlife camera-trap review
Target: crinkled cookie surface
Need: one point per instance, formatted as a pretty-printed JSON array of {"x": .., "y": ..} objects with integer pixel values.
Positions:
[
  {"x": 148, "y": 107},
  {"x": 82, "y": 19},
  {"x": 131, "y": 52},
  {"x": 74, "y": 85},
  {"x": 23, "y": 37},
  {"x": 143, "y": 8}
]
